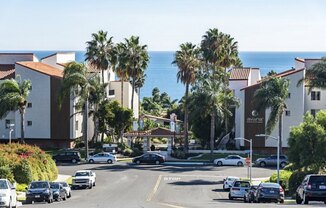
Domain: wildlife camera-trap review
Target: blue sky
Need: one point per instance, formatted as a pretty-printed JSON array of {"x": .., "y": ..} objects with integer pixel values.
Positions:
[{"x": 258, "y": 25}]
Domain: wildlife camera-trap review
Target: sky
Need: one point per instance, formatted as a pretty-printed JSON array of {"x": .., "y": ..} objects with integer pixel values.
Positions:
[{"x": 257, "y": 25}]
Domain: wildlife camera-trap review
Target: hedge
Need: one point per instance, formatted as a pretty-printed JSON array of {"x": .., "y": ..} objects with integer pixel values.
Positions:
[
  {"x": 26, "y": 163},
  {"x": 284, "y": 178}
]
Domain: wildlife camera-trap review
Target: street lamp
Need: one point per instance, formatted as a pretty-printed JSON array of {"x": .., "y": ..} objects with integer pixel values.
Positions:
[
  {"x": 250, "y": 141},
  {"x": 278, "y": 152},
  {"x": 11, "y": 129}
]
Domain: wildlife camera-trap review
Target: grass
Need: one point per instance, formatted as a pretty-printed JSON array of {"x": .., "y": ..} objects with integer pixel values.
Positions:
[
  {"x": 127, "y": 160},
  {"x": 208, "y": 157}
]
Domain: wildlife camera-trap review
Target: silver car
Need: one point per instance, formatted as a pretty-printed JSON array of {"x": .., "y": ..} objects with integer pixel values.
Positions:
[
  {"x": 102, "y": 157},
  {"x": 239, "y": 189},
  {"x": 272, "y": 161},
  {"x": 67, "y": 188}
]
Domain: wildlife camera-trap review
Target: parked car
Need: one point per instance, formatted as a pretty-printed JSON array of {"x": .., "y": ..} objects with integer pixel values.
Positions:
[
  {"x": 250, "y": 195},
  {"x": 66, "y": 186},
  {"x": 39, "y": 191},
  {"x": 230, "y": 160},
  {"x": 272, "y": 161},
  {"x": 239, "y": 189},
  {"x": 269, "y": 192},
  {"x": 228, "y": 181},
  {"x": 8, "y": 197},
  {"x": 102, "y": 157},
  {"x": 312, "y": 188},
  {"x": 84, "y": 179},
  {"x": 59, "y": 193},
  {"x": 153, "y": 158},
  {"x": 67, "y": 156}
]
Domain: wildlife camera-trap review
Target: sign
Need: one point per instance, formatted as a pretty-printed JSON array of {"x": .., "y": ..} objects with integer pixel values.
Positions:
[
  {"x": 254, "y": 118},
  {"x": 248, "y": 160},
  {"x": 172, "y": 126}
]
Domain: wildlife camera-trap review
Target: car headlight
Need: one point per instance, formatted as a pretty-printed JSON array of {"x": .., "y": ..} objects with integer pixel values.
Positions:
[{"x": 3, "y": 195}]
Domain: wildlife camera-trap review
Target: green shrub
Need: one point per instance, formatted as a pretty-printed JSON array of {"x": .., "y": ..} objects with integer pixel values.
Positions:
[
  {"x": 5, "y": 172},
  {"x": 23, "y": 172},
  {"x": 128, "y": 152},
  {"x": 295, "y": 180},
  {"x": 284, "y": 178},
  {"x": 179, "y": 154},
  {"x": 136, "y": 152},
  {"x": 21, "y": 187}
]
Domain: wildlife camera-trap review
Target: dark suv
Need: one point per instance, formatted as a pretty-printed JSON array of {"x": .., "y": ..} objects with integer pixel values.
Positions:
[
  {"x": 272, "y": 161},
  {"x": 39, "y": 191},
  {"x": 67, "y": 156},
  {"x": 312, "y": 188}
]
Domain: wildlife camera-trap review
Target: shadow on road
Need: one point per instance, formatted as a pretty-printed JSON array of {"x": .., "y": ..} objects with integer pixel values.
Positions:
[{"x": 194, "y": 182}]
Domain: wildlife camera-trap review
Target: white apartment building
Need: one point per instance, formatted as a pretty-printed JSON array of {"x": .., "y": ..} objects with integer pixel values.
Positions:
[
  {"x": 46, "y": 124},
  {"x": 253, "y": 122}
]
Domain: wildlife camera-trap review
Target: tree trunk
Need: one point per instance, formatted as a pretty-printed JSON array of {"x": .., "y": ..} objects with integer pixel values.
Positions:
[
  {"x": 22, "y": 125},
  {"x": 102, "y": 76},
  {"x": 95, "y": 135},
  {"x": 85, "y": 127},
  {"x": 122, "y": 91},
  {"x": 212, "y": 132},
  {"x": 280, "y": 129},
  {"x": 186, "y": 142}
]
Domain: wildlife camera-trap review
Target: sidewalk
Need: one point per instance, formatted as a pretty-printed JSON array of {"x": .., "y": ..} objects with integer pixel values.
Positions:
[{"x": 62, "y": 178}]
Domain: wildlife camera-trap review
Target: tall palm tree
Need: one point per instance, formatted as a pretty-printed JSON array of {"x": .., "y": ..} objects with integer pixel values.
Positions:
[
  {"x": 137, "y": 61},
  {"x": 187, "y": 60},
  {"x": 119, "y": 64},
  {"x": 13, "y": 97},
  {"x": 315, "y": 76},
  {"x": 99, "y": 51},
  {"x": 273, "y": 94},
  {"x": 76, "y": 84}
]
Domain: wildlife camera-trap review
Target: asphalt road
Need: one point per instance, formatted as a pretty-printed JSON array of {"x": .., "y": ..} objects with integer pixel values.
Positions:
[{"x": 159, "y": 186}]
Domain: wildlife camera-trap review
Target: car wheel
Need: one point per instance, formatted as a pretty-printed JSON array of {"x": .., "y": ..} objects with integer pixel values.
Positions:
[
  {"x": 244, "y": 199},
  {"x": 109, "y": 161},
  {"x": 74, "y": 161},
  {"x": 298, "y": 200},
  {"x": 91, "y": 161},
  {"x": 262, "y": 164},
  {"x": 230, "y": 197},
  {"x": 137, "y": 162},
  {"x": 282, "y": 201},
  {"x": 305, "y": 199},
  {"x": 90, "y": 186},
  {"x": 219, "y": 163},
  {"x": 240, "y": 164},
  {"x": 324, "y": 202},
  {"x": 69, "y": 195},
  {"x": 283, "y": 164},
  {"x": 157, "y": 162},
  {"x": 94, "y": 184},
  {"x": 49, "y": 200}
]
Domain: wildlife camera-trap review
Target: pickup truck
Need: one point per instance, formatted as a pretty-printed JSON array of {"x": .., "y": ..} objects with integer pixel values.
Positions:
[{"x": 83, "y": 179}]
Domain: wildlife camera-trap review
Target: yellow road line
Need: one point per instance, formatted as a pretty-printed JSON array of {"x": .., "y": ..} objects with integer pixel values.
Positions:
[
  {"x": 150, "y": 196},
  {"x": 171, "y": 205}
]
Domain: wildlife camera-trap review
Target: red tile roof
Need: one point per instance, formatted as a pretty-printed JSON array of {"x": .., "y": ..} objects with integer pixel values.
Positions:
[
  {"x": 7, "y": 74},
  {"x": 241, "y": 73},
  {"x": 42, "y": 68}
]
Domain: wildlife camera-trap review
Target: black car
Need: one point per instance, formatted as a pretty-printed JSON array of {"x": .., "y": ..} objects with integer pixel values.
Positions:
[
  {"x": 67, "y": 156},
  {"x": 58, "y": 192},
  {"x": 151, "y": 158},
  {"x": 312, "y": 188},
  {"x": 269, "y": 192},
  {"x": 39, "y": 191},
  {"x": 250, "y": 195}
]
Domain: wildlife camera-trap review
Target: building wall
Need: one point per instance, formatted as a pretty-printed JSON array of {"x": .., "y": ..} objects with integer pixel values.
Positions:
[
  {"x": 60, "y": 57},
  {"x": 254, "y": 76},
  {"x": 40, "y": 112},
  {"x": 4, "y": 131},
  {"x": 295, "y": 104},
  {"x": 314, "y": 104}
]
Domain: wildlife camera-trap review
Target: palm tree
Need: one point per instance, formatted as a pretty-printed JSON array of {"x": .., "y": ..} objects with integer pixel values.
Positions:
[
  {"x": 136, "y": 61},
  {"x": 76, "y": 84},
  {"x": 187, "y": 60},
  {"x": 13, "y": 97},
  {"x": 272, "y": 94},
  {"x": 99, "y": 52},
  {"x": 119, "y": 64},
  {"x": 315, "y": 76}
]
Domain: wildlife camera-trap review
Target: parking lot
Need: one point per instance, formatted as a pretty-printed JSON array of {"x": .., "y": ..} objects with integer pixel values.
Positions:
[{"x": 176, "y": 186}]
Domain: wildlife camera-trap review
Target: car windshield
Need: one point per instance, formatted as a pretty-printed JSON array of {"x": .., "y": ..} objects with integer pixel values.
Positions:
[
  {"x": 3, "y": 185},
  {"x": 241, "y": 184},
  {"x": 54, "y": 185},
  {"x": 317, "y": 180},
  {"x": 231, "y": 179},
  {"x": 37, "y": 185},
  {"x": 82, "y": 174},
  {"x": 64, "y": 184}
]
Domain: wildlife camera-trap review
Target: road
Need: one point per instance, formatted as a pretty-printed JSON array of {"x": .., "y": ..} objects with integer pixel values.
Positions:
[{"x": 158, "y": 186}]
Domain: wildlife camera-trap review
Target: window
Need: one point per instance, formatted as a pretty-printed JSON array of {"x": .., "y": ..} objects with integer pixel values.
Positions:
[
  {"x": 315, "y": 95},
  {"x": 289, "y": 95},
  {"x": 111, "y": 92},
  {"x": 287, "y": 113},
  {"x": 29, "y": 123},
  {"x": 29, "y": 105},
  {"x": 76, "y": 125},
  {"x": 8, "y": 122},
  {"x": 313, "y": 112}
]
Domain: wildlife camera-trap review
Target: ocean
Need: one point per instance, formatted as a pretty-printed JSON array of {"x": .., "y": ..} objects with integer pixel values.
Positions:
[{"x": 162, "y": 74}]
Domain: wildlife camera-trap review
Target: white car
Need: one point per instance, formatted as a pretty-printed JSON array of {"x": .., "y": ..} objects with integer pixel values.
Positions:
[
  {"x": 239, "y": 189},
  {"x": 227, "y": 184},
  {"x": 230, "y": 160},
  {"x": 66, "y": 187},
  {"x": 8, "y": 197},
  {"x": 83, "y": 179},
  {"x": 102, "y": 157}
]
